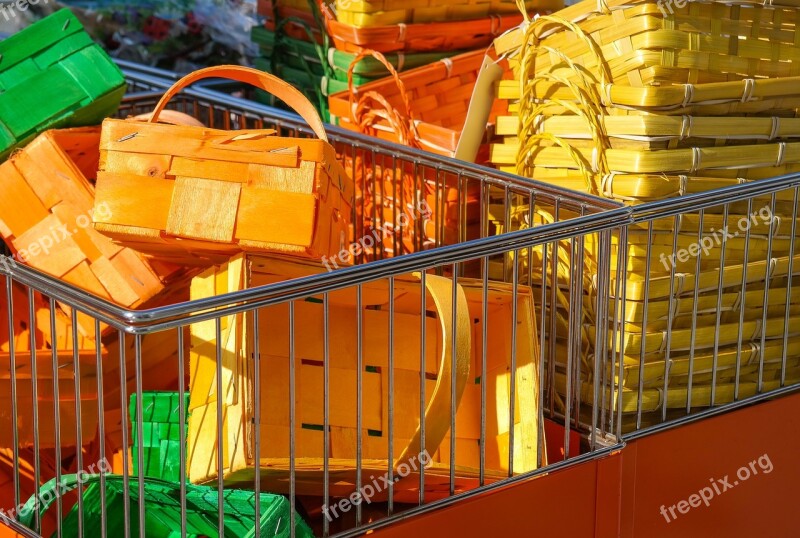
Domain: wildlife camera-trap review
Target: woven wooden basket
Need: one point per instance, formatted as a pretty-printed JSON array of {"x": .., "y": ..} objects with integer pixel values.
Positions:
[
  {"x": 423, "y": 37},
  {"x": 362, "y": 13},
  {"x": 619, "y": 100},
  {"x": 53, "y": 75},
  {"x": 273, "y": 348},
  {"x": 255, "y": 182},
  {"x": 640, "y": 43},
  {"x": 424, "y": 107},
  {"x": 76, "y": 379},
  {"x": 298, "y": 14},
  {"x": 46, "y": 215}
]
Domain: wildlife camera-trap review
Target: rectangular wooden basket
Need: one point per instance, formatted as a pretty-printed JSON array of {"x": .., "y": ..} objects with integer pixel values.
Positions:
[
  {"x": 255, "y": 184},
  {"x": 434, "y": 97},
  {"x": 53, "y": 75},
  {"x": 45, "y": 219},
  {"x": 362, "y": 13},
  {"x": 75, "y": 381},
  {"x": 648, "y": 43},
  {"x": 273, "y": 349}
]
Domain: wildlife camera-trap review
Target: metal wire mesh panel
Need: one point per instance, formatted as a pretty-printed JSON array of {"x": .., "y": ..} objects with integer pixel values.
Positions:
[{"x": 303, "y": 400}]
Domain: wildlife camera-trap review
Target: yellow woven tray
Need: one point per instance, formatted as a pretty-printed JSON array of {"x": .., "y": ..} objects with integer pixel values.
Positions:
[
  {"x": 362, "y": 13},
  {"x": 727, "y": 360},
  {"x": 647, "y": 43},
  {"x": 653, "y": 399},
  {"x": 663, "y": 132}
]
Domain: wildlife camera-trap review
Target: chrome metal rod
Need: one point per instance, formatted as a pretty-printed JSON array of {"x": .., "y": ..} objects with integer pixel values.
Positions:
[
  {"x": 78, "y": 437},
  {"x": 256, "y": 354},
  {"x": 182, "y": 412},
  {"x": 790, "y": 276},
  {"x": 720, "y": 287},
  {"x": 692, "y": 344},
  {"x": 12, "y": 353},
  {"x": 37, "y": 457},
  {"x": 220, "y": 431},
  {"x": 140, "y": 430},
  {"x": 646, "y": 306},
  {"x": 56, "y": 409}
]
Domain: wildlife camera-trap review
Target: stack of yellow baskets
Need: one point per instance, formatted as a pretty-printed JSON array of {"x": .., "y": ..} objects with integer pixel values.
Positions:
[
  {"x": 639, "y": 100},
  {"x": 387, "y": 12}
]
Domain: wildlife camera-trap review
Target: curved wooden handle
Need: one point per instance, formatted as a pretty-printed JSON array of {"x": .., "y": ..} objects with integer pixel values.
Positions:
[
  {"x": 392, "y": 71},
  {"x": 171, "y": 117},
  {"x": 438, "y": 412},
  {"x": 269, "y": 83}
]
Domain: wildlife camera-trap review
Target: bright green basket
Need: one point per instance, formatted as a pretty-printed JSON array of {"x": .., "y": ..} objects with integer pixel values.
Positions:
[
  {"x": 52, "y": 75},
  {"x": 163, "y": 508},
  {"x": 161, "y": 439}
]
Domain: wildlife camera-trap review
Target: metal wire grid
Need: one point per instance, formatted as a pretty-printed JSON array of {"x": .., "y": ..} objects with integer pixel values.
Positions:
[{"x": 589, "y": 398}]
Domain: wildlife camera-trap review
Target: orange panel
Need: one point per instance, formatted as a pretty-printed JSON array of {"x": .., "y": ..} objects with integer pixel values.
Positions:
[
  {"x": 562, "y": 503},
  {"x": 672, "y": 466},
  {"x": 622, "y": 494}
]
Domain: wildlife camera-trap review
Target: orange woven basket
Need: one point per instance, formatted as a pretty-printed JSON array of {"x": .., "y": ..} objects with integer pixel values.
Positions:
[
  {"x": 46, "y": 212},
  {"x": 73, "y": 379},
  {"x": 275, "y": 11},
  {"x": 425, "y": 107},
  {"x": 191, "y": 194}
]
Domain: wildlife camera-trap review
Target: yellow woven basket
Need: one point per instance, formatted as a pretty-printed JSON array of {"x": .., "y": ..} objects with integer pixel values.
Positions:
[
  {"x": 621, "y": 100},
  {"x": 362, "y": 13}
]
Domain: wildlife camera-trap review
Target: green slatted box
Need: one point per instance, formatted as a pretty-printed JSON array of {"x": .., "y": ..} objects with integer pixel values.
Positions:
[
  {"x": 52, "y": 75},
  {"x": 161, "y": 434},
  {"x": 162, "y": 510},
  {"x": 320, "y": 70}
]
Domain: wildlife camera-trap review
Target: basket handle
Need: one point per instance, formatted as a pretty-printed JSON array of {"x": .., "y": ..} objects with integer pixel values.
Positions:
[
  {"x": 391, "y": 112},
  {"x": 269, "y": 83},
  {"x": 171, "y": 117},
  {"x": 437, "y": 412}
]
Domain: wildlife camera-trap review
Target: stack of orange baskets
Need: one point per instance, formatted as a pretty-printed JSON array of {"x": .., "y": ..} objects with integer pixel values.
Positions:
[{"x": 425, "y": 108}]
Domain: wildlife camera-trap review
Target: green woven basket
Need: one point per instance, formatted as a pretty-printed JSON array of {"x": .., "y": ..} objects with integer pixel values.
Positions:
[
  {"x": 161, "y": 440},
  {"x": 163, "y": 508},
  {"x": 52, "y": 75}
]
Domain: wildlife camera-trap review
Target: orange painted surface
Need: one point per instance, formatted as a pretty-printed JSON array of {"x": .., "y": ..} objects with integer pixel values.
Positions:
[
  {"x": 671, "y": 466},
  {"x": 564, "y": 503},
  {"x": 622, "y": 494}
]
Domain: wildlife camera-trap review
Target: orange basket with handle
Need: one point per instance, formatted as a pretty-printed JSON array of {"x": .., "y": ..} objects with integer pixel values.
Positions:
[
  {"x": 191, "y": 194},
  {"x": 424, "y": 108}
]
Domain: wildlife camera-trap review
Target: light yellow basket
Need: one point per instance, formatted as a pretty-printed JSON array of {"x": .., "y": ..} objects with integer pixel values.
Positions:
[
  {"x": 363, "y": 13},
  {"x": 619, "y": 99}
]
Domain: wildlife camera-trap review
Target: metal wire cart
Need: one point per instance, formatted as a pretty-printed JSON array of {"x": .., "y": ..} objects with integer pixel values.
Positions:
[{"x": 527, "y": 332}]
